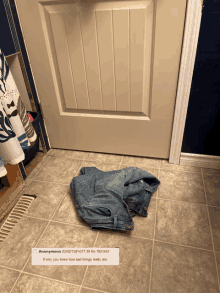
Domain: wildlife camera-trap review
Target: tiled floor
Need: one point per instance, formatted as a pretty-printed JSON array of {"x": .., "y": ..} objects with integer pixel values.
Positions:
[{"x": 176, "y": 249}]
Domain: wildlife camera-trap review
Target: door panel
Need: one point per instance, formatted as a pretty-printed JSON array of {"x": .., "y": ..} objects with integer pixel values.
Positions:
[{"x": 106, "y": 72}]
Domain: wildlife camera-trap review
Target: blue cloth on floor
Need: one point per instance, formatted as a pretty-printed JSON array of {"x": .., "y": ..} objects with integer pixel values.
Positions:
[{"x": 110, "y": 199}]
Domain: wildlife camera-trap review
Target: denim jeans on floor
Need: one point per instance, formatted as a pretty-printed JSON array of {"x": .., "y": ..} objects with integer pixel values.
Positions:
[{"x": 110, "y": 199}]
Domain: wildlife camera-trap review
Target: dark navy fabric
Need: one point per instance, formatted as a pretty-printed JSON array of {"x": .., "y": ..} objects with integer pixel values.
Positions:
[{"x": 110, "y": 199}]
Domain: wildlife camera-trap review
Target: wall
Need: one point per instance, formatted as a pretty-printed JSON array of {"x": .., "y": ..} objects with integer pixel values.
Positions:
[{"x": 203, "y": 114}]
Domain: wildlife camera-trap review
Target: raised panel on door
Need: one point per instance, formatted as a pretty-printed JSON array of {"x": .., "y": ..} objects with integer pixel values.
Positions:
[
  {"x": 102, "y": 55},
  {"x": 111, "y": 69}
]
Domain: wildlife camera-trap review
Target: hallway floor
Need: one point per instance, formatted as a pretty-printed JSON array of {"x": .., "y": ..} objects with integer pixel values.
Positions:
[{"x": 176, "y": 249}]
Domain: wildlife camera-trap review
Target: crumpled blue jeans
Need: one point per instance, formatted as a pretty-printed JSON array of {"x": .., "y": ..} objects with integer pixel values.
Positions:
[{"x": 110, "y": 199}]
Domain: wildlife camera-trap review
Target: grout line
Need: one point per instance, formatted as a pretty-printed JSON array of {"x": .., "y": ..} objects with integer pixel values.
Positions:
[
  {"x": 46, "y": 159},
  {"x": 39, "y": 239},
  {"x": 170, "y": 199},
  {"x": 78, "y": 225},
  {"x": 51, "y": 152},
  {"x": 44, "y": 229},
  {"x": 185, "y": 202},
  {"x": 151, "y": 267},
  {"x": 88, "y": 266},
  {"x": 139, "y": 237},
  {"x": 168, "y": 168},
  {"x": 82, "y": 161},
  {"x": 120, "y": 163},
  {"x": 48, "y": 278},
  {"x": 9, "y": 268},
  {"x": 183, "y": 245},
  {"x": 51, "y": 279},
  {"x": 49, "y": 181},
  {"x": 164, "y": 169},
  {"x": 211, "y": 232},
  {"x": 25, "y": 181},
  {"x": 95, "y": 244},
  {"x": 95, "y": 290},
  {"x": 59, "y": 222}
]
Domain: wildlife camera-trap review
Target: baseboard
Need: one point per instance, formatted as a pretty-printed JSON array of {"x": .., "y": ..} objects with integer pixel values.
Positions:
[{"x": 204, "y": 161}]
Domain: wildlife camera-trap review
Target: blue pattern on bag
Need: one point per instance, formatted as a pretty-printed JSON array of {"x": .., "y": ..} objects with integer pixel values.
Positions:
[
  {"x": 4, "y": 121},
  {"x": 4, "y": 71},
  {"x": 1, "y": 162}
]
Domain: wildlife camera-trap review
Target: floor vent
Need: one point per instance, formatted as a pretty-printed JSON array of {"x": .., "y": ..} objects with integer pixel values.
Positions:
[{"x": 15, "y": 215}]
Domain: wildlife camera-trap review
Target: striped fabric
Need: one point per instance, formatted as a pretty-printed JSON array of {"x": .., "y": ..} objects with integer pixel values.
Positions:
[
  {"x": 29, "y": 129},
  {"x": 16, "y": 130},
  {"x": 12, "y": 113},
  {"x": 10, "y": 148},
  {"x": 14, "y": 96}
]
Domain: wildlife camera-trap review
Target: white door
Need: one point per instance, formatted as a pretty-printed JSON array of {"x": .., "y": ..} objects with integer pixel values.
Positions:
[{"x": 106, "y": 72}]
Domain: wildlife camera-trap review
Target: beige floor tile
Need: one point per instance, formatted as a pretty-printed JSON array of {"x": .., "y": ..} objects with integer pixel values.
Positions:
[
  {"x": 99, "y": 165},
  {"x": 183, "y": 223},
  {"x": 183, "y": 270},
  {"x": 86, "y": 290},
  {"x": 141, "y": 161},
  {"x": 16, "y": 247},
  {"x": 68, "y": 213},
  {"x": 58, "y": 235},
  {"x": 143, "y": 226},
  {"x": 133, "y": 272},
  {"x": 33, "y": 163},
  {"x": 152, "y": 171},
  {"x": 36, "y": 168},
  {"x": 7, "y": 279},
  {"x": 217, "y": 254},
  {"x": 34, "y": 284},
  {"x": 175, "y": 268},
  {"x": 212, "y": 188},
  {"x": 183, "y": 186},
  {"x": 48, "y": 198},
  {"x": 70, "y": 154},
  {"x": 166, "y": 165},
  {"x": 214, "y": 214},
  {"x": 58, "y": 170},
  {"x": 105, "y": 158},
  {"x": 27, "y": 181},
  {"x": 50, "y": 152},
  {"x": 215, "y": 172}
]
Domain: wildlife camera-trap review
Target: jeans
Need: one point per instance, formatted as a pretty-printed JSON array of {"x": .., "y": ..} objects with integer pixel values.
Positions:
[{"x": 110, "y": 199}]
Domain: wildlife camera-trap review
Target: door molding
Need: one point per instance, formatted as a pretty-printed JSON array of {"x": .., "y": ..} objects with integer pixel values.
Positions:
[{"x": 190, "y": 42}]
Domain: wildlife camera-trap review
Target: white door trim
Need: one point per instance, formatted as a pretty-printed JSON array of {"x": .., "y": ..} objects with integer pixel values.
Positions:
[{"x": 190, "y": 42}]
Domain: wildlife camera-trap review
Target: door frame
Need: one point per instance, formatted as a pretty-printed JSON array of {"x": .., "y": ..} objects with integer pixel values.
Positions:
[{"x": 190, "y": 42}]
